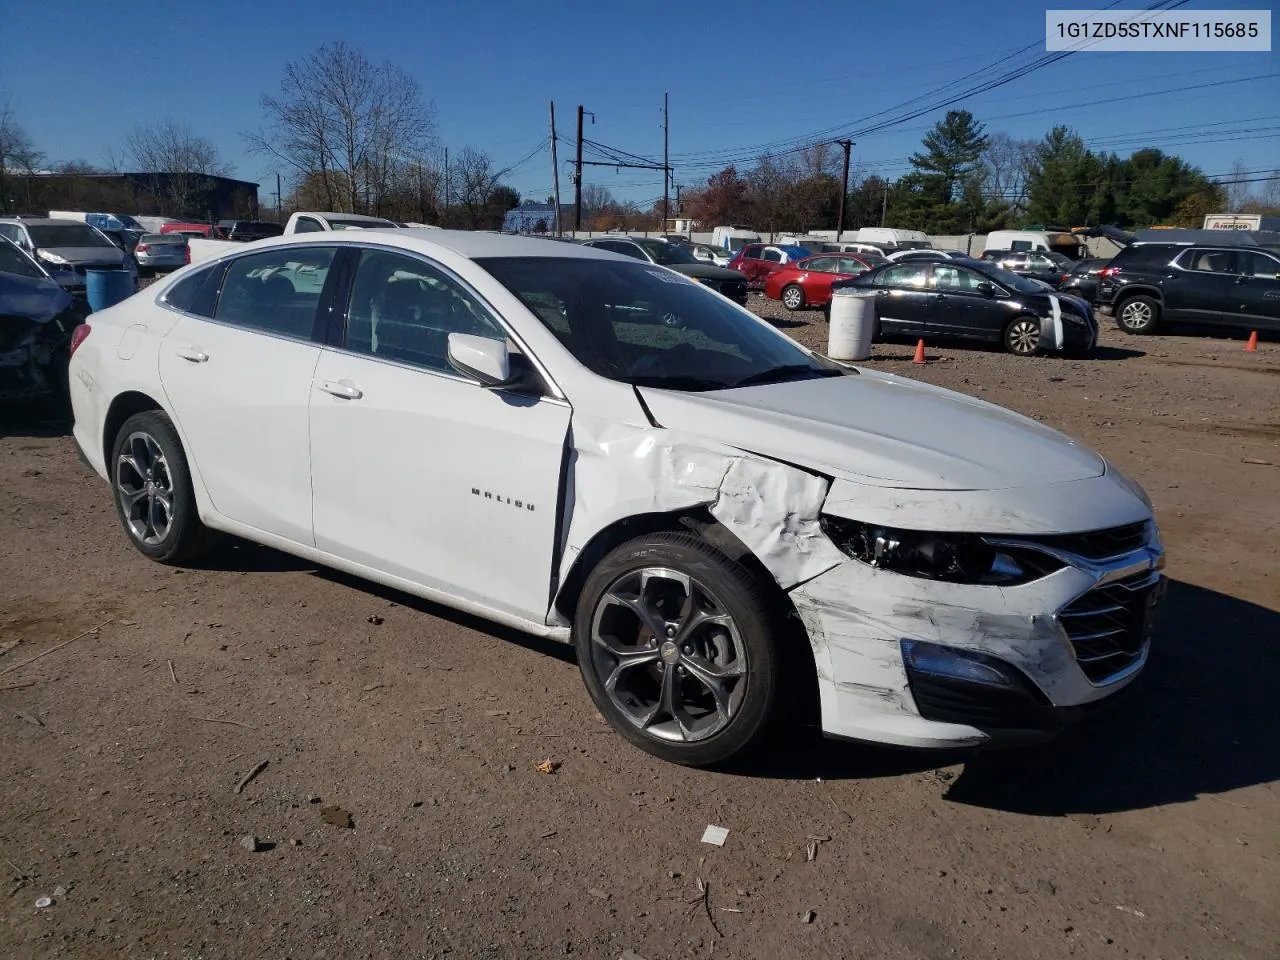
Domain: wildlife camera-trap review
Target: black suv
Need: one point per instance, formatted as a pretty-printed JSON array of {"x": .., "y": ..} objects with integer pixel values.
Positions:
[{"x": 1147, "y": 284}]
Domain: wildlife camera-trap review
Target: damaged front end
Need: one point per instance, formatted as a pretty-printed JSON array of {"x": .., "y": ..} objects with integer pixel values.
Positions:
[{"x": 36, "y": 320}]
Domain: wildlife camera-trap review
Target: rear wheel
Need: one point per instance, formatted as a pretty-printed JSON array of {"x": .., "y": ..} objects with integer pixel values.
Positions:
[
  {"x": 792, "y": 297},
  {"x": 1022, "y": 336},
  {"x": 152, "y": 485},
  {"x": 677, "y": 648},
  {"x": 1138, "y": 315}
]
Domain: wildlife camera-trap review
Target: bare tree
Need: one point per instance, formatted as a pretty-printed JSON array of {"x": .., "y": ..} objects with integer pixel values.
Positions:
[
  {"x": 17, "y": 153},
  {"x": 1005, "y": 164},
  {"x": 1269, "y": 195},
  {"x": 1237, "y": 186},
  {"x": 178, "y": 162},
  {"x": 597, "y": 201},
  {"x": 347, "y": 123}
]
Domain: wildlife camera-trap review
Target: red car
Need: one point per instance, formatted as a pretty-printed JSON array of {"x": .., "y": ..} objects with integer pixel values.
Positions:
[
  {"x": 807, "y": 283},
  {"x": 756, "y": 261}
]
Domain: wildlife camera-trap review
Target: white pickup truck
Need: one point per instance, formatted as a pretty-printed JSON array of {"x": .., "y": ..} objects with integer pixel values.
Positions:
[{"x": 304, "y": 221}]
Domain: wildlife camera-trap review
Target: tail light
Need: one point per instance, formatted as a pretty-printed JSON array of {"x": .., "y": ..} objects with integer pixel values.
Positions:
[
  {"x": 78, "y": 336},
  {"x": 1064, "y": 278},
  {"x": 186, "y": 253},
  {"x": 142, "y": 248},
  {"x": 1108, "y": 271}
]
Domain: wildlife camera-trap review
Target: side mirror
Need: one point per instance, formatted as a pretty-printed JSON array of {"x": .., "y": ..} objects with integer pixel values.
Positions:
[
  {"x": 987, "y": 289},
  {"x": 484, "y": 359}
]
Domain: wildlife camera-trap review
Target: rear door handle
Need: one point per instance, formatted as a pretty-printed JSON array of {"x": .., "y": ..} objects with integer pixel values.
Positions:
[
  {"x": 194, "y": 354},
  {"x": 1240, "y": 280},
  {"x": 341, "y": 389},
  {"x": 939, "y": 296}
]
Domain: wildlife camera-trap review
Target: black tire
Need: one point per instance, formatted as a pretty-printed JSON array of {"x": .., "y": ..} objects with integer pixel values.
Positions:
[
  {"x": 183, "y": 536},
  {"x": 1138, "y": 314},
  {"x": 748, "y": 643},
  {"x": 1022, "y": 336},
  {"x": 797, "y": 296}
]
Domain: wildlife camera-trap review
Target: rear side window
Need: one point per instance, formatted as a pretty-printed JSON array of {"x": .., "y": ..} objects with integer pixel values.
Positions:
[
  {"x": 1143, "y": 255},
  {"x": 276, "y": 292},
  {"x": 906, "y": 275},
  {"x": 822, "y": 264},
  {"x": 1206, "y": 261},
  {"x": 307, "y": 225},
  {"x": 751, "y": 253},
  {"x": 185, "y": 295},
  {"x": 774, "y": 256}
]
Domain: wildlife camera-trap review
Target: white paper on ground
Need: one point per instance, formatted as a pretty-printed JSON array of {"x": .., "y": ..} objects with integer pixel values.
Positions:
[{"x": 715, "y": 836}]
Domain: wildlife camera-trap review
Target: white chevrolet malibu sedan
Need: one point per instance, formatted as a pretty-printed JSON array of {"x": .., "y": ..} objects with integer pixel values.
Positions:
[{"x": 598, "y": 450}]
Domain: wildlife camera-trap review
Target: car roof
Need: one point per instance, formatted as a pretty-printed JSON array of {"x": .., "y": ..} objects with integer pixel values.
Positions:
[
  {"x": 43, "y": 222},
  {"x": 465, "y": 243},
  {"x": 334, "y": 215}
]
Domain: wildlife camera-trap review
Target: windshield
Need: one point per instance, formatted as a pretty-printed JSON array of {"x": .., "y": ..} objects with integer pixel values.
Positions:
[
  {"x": 914, "y": 245},
  {"x": 67, "y": 235},
  {"x": 666, "y": 253},
  {"x": 635, "y": 323},
  {"x": 1013, "y": 281},
  {"x": 13, "y": 260}
]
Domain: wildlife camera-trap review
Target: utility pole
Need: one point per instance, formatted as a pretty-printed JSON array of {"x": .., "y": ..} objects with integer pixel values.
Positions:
[
  {"x": 577, "y": 178},
  {"x": 884, "y": 206},
  {"x": 446, "y": 176},
  {"x": 680, "y": 210},
  {"x": 844, "y": 190},
  {"x": 555, "y": 167},
  {"x": 666, "y": 165},
  {"x": 279, "y": 201}
]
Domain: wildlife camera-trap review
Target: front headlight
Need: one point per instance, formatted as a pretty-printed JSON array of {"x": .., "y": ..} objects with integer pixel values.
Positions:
[
  {"x": 50, "y": 257},
  {"x": 951, "y": 557}
]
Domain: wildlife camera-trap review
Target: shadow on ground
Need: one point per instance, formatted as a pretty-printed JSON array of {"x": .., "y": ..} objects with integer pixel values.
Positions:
[{"x": 34, "y": 418}]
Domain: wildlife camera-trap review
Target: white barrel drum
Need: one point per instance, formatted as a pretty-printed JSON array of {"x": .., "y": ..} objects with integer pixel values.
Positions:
[{"x": 853, "y": 322}]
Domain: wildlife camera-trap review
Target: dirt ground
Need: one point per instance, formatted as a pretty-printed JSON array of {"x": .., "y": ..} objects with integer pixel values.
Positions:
[{"x": 1151, "y": 832}]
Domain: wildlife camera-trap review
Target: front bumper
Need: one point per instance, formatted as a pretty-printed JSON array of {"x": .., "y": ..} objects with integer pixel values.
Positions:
[{"x": 1045, "y": 636}]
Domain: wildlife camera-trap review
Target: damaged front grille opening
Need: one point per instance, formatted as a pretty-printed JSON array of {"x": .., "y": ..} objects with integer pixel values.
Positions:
[{"x": 1110, "y": 626}]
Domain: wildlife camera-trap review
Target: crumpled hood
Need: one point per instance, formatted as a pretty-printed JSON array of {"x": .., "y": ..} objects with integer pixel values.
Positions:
[
  {"x": 36, "y": 298},
  {"x": 104, "y": 255},
  {"x": 706, "y": 271},
  {"x": 882, "y": 430}
]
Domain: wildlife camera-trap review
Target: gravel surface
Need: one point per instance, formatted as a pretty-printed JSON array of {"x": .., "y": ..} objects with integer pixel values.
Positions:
[{"x": 401, "y": 812}]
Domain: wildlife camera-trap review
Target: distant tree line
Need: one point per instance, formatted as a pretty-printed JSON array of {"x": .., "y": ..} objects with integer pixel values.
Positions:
[{"x": 965, "y": 180}]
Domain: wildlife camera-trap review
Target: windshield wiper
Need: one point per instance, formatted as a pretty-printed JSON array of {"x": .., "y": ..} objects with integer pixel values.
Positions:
[
  {"x": 679, "y": 383},
  {"x": 785, "y": 372}
]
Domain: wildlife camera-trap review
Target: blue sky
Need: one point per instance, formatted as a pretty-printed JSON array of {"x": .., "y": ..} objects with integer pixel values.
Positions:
[{"x": 740, "y": 75}]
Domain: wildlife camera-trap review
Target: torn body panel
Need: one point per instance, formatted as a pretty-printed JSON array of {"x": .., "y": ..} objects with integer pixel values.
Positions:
[{"x": 619, "y": 471}]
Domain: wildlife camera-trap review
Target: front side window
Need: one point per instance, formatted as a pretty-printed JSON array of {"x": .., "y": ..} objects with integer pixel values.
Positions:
[
  {"x": 1252, "y": 264},
  {"x": 644, "y": 325},
  {"x": 904, "y": 275},
  {"x": 956, "y": 279},
  {"x": 403, "y": 309},
  {"x": 276, "y": 291}
]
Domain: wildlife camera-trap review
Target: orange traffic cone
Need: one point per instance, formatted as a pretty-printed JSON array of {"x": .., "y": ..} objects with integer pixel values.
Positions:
[
  {"x": 919, "y": 357},
  {"x": 1252, "y": 345}
]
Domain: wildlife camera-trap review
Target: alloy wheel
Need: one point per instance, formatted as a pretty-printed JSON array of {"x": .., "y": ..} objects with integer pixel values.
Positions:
[
  {"x": 1024, "y": 337},
  {"x": 668, "y": 655},
  {"x": 792, "y": 298},
  {"x": 1136, "y": 315},
  {"x": 144, "y": 485}
]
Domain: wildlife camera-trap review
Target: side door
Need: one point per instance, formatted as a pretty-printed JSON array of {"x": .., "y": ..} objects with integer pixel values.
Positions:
[
  {"x": 1200, "y": 285},
  {"x": 816, "y": 274},
  {"x": 903, "y": 300},
  {"x": 770, "y": 260},
  {"x": 419, "y": 472},
  {"x": 960, "y": 307},
  {"x": 1258, "y": 288},
  {"x": 752, "y": 266},
  {"x": 237, "y": 370}
]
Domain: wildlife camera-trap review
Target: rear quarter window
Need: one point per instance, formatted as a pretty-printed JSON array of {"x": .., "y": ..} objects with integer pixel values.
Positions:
[{"x": 1146, "y": 256}]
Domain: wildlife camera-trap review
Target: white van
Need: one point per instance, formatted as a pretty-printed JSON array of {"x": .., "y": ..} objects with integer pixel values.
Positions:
[
  {"x": 733, "y": 238},
  {"x": 1022, "y": 241},
  {"x": 889, "y": 240}
]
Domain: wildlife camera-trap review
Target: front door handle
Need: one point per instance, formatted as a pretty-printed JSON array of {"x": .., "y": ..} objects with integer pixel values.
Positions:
[
  {"x": 194, "y": 354},
  {"x": 341, "y": 389},
  {"x": 939, "y": 296},
  {"x": 1240, "y": 281}
]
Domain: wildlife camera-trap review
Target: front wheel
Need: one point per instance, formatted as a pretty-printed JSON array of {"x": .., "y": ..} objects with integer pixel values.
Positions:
[
  {"x": 676, "y": 645},
  {"x": 792, "y": 297},
  {"x": 1022, "y": 336}
]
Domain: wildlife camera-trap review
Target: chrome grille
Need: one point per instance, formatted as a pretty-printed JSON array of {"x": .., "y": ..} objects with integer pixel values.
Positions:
[
  {"x": 1099, "y": 544},
  {"x": 1110, "y": 626}
]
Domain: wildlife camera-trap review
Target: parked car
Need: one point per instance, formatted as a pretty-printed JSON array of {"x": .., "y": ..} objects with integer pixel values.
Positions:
[
  {"x": 206, "y": 231},
  {"x": 678, "y": 258},
  {"x": 67, "y": 248},
  {"x": 976, "y": 300},
  {"x": 1052, "y": 268},
  {"x": 705, "y": 508},
  {"x": 1149, "y": 284},
  {"x": 1082, "y": 280},
  {"x": 902, "y": 256},
  {"x": 162, "y": 251},
  {"x": 756, "y": 261},
  {"x": 709, "y": 254},
  {"x": 310, "y": 221},
  {"x": 807, "y": 282},
  {"x": 246, "y": 231},
  {"x": 36, "y": 319}
]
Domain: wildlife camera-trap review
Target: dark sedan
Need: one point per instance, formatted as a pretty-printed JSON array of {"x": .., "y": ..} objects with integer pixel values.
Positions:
[
  {"x": 978, "y": 301},
  {"x": 36, "y": 320},
  {"x": 1047, "y": 266},
  {"x": 680, "y": 259},
  {"x": 1082, "y": 281}
]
